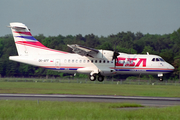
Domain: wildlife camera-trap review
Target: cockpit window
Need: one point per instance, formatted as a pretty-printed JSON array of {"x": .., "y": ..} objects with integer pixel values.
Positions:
[
  {"x": 157, "y": 59},
  {"x": 153, "y": 59},
  {"x": 161, "y": 59}
]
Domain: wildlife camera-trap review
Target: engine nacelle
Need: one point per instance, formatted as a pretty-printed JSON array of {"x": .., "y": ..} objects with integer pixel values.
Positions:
[{"x": 106, "y": 54}]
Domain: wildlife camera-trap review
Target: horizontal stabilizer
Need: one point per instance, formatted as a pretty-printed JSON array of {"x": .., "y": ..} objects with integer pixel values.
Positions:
[{"x": 17, "y": 28}]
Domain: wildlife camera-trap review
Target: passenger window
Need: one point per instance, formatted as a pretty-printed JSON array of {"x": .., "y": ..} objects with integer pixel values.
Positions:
[
  {"x": 107, "y": 61},
  {"x": 99, "y": 61},
  {"x": 84, "y": 61},
  {"x": 153, "y": 59},
  {"x": 92, "y": 61},
  {"x": 69, "y": 61},
  {"x": 87, "y": 61},
  {"x": 76, "y": 61},
  {"x": 111, "y": 61},
  {"x": 95, "y": 61},
  {"x": 72, "y": 61},
  {"x": 65, "y": 60},
  {"x": 104, "y": 61},
  {"x": 80, "y": 61}
]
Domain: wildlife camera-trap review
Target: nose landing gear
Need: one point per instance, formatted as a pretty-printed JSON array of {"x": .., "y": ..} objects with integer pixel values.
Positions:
[{"x": 160, "y": 77}]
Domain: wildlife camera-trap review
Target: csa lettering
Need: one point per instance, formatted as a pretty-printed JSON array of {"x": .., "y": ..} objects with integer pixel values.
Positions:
[
  {"x": 143, "y": 61},
  {"x": 131, "y": 62}
]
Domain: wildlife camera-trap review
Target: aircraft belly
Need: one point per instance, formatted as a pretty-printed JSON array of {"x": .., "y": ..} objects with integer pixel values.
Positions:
[{"x": 84, "y": 70}]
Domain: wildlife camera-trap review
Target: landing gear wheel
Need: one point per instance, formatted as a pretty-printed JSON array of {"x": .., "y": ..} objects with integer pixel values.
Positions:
[
  {"x": 100, "y": 78},
  {"x": 161, "y": 79},
  {"x": 92, "y": 77}
]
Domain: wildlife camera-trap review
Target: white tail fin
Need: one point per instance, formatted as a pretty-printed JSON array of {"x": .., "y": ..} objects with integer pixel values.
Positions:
[{"x": 26, "y": 44}]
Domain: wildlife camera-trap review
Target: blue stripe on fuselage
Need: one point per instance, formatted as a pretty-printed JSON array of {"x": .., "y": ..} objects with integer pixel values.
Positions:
[
  {"x": 159, "y": 70},
  {"x": 142, "y": 70},
  {"x": 62, "y": 68}
]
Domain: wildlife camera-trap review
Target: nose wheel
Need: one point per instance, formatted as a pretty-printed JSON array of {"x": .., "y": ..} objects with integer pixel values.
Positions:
[{"x": 161, "y": 79}]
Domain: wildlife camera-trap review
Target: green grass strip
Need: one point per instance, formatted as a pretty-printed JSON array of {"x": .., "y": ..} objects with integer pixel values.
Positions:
[
  {"x": 45, "y": 110},
  {"x": 90, "y": 89}
]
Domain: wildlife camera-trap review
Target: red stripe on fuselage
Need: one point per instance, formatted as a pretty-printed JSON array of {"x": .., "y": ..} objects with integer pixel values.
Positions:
[{"x": 37, "y": 44}]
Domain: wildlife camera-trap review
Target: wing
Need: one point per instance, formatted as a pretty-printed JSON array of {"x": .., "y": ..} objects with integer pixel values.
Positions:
[{"x": 84, "y": 51}]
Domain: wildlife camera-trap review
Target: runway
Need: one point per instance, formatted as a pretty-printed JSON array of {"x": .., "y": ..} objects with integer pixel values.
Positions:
[{"x": 146, "y": 101}]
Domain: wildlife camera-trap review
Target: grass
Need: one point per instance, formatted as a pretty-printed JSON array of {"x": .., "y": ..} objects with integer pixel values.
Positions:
[
  {"x": 90, "y": 89},
  {"x": 45, "y": 110}
]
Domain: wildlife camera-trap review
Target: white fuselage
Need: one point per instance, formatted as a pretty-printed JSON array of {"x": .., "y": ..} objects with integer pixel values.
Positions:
[{"x": 74, "y": 63}]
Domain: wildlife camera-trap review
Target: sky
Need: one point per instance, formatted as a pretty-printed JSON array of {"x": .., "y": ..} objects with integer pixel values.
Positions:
[{"x": 98, "y": 17}]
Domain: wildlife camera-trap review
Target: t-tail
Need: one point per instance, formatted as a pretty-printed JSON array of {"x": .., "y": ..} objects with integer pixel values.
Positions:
[{"x": 26, "y": 44}]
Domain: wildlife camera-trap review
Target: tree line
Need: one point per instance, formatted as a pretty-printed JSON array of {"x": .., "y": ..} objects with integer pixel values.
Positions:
[{"x": 167, "y": 46}]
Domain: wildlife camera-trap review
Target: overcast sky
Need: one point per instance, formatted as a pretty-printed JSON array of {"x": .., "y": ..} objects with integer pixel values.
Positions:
[{"x": 100, "y": 17}]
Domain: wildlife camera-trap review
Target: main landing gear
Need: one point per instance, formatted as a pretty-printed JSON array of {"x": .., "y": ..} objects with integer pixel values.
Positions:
[{"x": 93, "y": 77}]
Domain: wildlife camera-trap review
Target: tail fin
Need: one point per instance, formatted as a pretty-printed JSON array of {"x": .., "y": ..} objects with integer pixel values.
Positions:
[{"x": 26, "y": 44}]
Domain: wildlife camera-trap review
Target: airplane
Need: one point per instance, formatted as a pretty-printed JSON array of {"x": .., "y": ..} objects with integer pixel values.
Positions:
[{"x": 96, "y": 63}]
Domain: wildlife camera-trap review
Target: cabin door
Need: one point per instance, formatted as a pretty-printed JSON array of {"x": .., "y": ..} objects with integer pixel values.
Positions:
[{"x": 58, "y": 63}]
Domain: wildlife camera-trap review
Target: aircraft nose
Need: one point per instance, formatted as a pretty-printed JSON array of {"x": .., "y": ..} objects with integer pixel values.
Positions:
[{"x": 171, "y": 67}]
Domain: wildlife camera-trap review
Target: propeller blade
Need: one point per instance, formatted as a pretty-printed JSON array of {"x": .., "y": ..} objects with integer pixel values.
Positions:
[{"x": 115, "y": 57}]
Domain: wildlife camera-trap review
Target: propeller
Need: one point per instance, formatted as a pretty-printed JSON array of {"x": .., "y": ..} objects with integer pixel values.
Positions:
[{"x": 115, "y": 54}]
